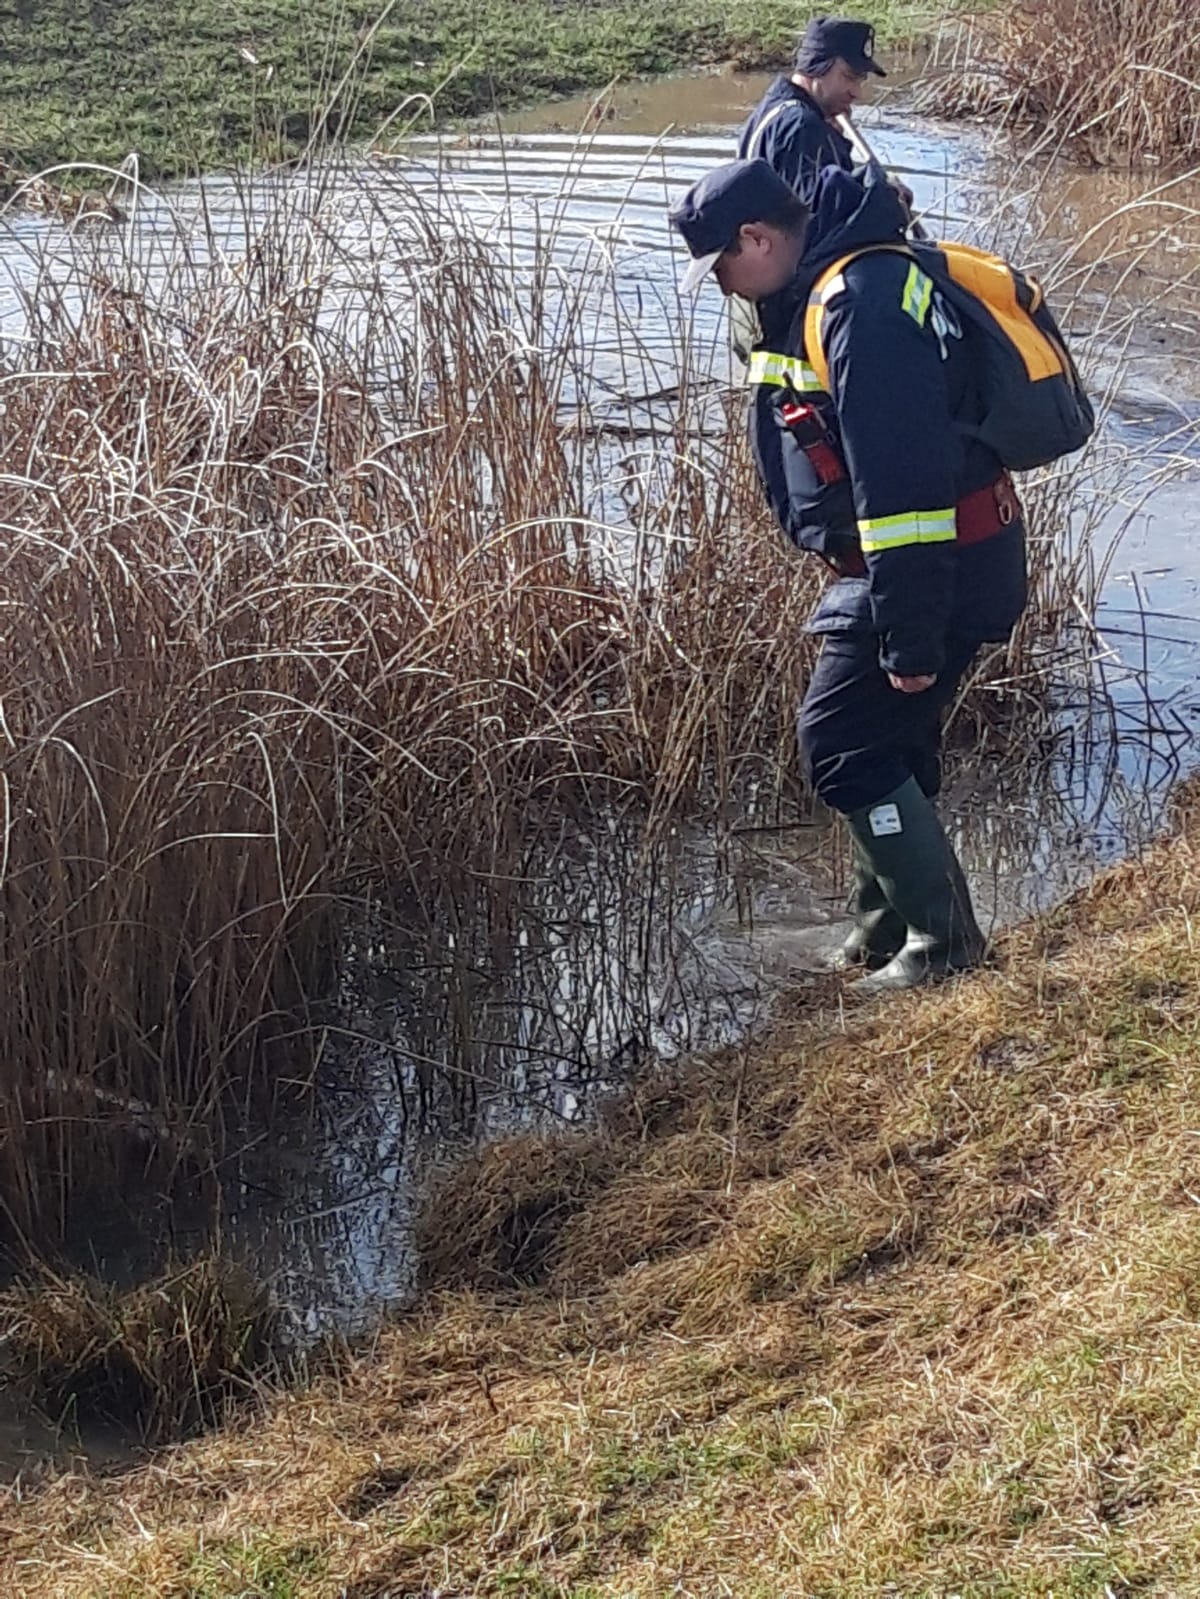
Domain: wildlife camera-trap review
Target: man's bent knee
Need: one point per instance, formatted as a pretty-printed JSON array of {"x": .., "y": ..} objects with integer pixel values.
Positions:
[{"x": 848, "y": 780}]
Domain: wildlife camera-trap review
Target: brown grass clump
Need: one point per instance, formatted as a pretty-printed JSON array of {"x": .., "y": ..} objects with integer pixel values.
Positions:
[
  {"x": 164, "y": 1358},
  {"x": 1112, "y": 81},
  {"x": 302, "y": 597},
  {"x": 566, "y": 1212},
  {"x": 935, "y": 1328},
  {"x": 497, "y": 1222}
]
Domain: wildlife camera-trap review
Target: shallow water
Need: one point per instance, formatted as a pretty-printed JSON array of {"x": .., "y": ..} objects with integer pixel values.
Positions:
[{"x": 613, "y": 962}]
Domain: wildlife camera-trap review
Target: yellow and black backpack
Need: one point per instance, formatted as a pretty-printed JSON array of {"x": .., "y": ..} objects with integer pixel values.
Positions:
[{"x": 1035, "y": 408}]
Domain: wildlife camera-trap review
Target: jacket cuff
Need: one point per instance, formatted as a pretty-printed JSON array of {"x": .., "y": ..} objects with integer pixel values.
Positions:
[{"x": 911, "y": 657}]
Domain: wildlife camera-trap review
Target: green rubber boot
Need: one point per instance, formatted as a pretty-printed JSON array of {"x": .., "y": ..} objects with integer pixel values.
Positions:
[
  {"x": 919, "y": 874},
  {"x": 879, "y": 932}
]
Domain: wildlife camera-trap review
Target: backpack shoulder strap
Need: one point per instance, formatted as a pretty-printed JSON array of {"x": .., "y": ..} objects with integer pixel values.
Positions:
[{"x": 823, "y": 290}]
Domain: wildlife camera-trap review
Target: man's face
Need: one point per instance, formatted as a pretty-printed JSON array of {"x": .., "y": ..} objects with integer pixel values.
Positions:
[
  {"x": 761, "y": 266},
  {"x": 837, "y": 91}
]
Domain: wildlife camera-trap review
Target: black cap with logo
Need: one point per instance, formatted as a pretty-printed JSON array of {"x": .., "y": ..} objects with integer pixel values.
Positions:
[
  {"x": 712, "y": 211},
  {"x": 828, "y": 39}
]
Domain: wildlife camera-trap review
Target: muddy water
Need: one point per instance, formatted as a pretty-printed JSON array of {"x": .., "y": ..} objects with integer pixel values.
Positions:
[{"x": 615, "y": 961}]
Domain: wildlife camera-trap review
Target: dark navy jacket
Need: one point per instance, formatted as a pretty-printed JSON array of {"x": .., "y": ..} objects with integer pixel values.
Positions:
[
  {"x": 902, "y": 398},
  {"x": 788, "y": 129}
]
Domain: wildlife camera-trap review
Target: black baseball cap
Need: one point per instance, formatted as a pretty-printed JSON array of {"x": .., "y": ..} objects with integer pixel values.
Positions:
[
  {"x": 712, "y": 211},
  {"x": 826, "y": 39}
]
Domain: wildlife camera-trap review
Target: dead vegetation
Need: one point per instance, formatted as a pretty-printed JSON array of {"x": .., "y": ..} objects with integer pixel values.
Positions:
[
  {"x": 902, "y": 1304},
  {"x": 317, "y": 596},
  {"x": 337, "y": 568},
  {"x": 1112, "y": 82},
  {"x": 165, "y": 1358}
]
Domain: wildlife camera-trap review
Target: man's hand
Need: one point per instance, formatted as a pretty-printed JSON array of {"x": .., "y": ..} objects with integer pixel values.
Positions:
[{"x": 912, "y": 685}]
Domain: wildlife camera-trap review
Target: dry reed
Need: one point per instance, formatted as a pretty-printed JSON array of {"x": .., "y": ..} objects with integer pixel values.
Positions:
[
  {"x": 1111, "y": 81},
  {"x": 165, "y": 1358},
  {"x": 305, "y": 589},
  {"x": 320, "y": 573}
]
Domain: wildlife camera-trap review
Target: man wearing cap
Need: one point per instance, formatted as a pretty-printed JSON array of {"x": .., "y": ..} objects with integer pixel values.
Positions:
[
  {"x": 883, "y": 478},
  {"x": 794, "y": 126}
]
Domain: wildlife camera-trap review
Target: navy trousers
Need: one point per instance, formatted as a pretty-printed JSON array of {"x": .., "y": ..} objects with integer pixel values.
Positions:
[{"x": 861, "y": 737}]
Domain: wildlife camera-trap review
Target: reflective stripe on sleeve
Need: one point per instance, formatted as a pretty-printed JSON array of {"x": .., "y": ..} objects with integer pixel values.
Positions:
[
  {"x": 910, "y": 527},
  {"x": 782, "y": 370},
  {"x": 917, "y": 295}
]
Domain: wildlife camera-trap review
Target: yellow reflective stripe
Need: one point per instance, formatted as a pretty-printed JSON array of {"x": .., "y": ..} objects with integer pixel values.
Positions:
[
  {"x": 781, "y": 370},
  {"x": 910, "y": 527},
  {"x": 918, "y": 292}
]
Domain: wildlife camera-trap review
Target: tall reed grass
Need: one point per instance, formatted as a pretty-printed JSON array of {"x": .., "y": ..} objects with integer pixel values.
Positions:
[
  {"x": 323, "y": 569},
  {"x": 1115, "y": 81},
  {"x": 304, "y": 588}
]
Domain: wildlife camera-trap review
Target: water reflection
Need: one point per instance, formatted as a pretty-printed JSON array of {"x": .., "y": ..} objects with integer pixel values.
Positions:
[
  {"x": 492, "y": 1009},
  {"x": 481, "y": 1006}
]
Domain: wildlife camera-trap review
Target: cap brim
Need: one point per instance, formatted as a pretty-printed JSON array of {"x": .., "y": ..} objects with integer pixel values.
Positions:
[
  {"x": 862, "y": 65},
  {"x": 696, "y": 273}
]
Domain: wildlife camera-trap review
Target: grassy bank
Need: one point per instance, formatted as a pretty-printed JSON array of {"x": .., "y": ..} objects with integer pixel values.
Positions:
[
  {"x": 900, "y": 1303},
  {"x": 194, "y": 86}
]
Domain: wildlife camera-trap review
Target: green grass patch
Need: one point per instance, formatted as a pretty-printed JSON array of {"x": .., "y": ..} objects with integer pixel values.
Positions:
[
  {"x": 198, "y": 86},
  {"x": 254, "y": 1566}
]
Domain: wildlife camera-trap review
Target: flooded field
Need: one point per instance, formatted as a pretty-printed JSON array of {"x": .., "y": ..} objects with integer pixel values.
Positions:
[{"x": 611, "y": 952}]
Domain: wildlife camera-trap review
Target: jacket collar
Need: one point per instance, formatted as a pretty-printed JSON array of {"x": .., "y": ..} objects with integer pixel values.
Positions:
[{"x": 784, "y": 89}]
